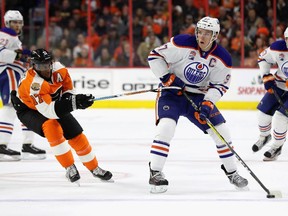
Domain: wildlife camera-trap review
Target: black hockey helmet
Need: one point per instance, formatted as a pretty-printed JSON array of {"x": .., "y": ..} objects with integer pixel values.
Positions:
[{"x": 41, "y": 61}]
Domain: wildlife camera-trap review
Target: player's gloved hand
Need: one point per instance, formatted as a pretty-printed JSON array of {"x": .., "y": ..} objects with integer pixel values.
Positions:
[
  {"x": 22, "y": 55},
  {"x": 83, "y": 101},
  {"x": 17, "y": 103},
  {"x": 269, "y": 82},
  {"x": 172, "y": 80},
  {"x": 205, "y": 109}
]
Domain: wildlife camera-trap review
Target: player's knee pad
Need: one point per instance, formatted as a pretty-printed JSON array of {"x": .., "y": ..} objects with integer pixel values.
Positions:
[
  {"x": 165, "y": 130},
  {"x": 80, "y": 143},
  {"x": 53, "y": 132},
  {"x": 223, "y": 131},
  {"x": 279, "y": 122}
]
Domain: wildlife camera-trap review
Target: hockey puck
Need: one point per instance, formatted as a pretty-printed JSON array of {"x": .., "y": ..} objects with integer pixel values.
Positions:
[{"x": 270, "y": 196}]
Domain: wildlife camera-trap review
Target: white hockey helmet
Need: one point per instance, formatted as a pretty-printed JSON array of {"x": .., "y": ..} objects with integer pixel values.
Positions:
[
  {"x": 211, "y": 24},
  {"x": 12, "y": 15}
]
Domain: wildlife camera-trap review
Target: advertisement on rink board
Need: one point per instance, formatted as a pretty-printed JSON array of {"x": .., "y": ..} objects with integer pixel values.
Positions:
[
  {"x": 245, "y": 91},
  {"x": 246, "y": 88}
]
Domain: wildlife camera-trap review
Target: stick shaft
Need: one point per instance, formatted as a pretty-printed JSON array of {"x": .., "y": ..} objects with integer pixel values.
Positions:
[
  {"x": 280, "y": 102},
  {"x": 228, "y": 145},
  {"x": 136, "y": 92}
]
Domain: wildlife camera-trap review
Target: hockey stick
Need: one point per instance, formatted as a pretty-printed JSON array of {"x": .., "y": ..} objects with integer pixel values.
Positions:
[
  {"x": 270, "y": 194},
  {"x": 280, "y": 102},
  {"x": 136, "y": 92}
]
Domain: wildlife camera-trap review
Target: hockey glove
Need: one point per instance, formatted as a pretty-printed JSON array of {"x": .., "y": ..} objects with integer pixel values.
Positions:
[
  {"x": 23, "y": 55},
  {"x": 17, "y": 103},
  {"x": 205, "y": 109},
  {"x": 83, "y": 101},
  {"x": 172, "y": 80},
  {"x": 269, "y": 83}
]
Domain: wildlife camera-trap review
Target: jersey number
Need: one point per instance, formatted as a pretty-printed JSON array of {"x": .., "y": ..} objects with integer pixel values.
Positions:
[{"x": 37, "y": 99}]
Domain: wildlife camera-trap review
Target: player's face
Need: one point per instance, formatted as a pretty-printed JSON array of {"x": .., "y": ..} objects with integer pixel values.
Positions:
[
  {"x": 44, "y": 70},
  {"x": 204, "y": 37},
  {"x": 16, "y": 25}
]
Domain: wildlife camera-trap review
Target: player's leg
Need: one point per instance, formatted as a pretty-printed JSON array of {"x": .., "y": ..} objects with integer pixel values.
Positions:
[
  {"x": 53, "y": 132},
  {"x": 227, "y": 157},
  {"x": 8, "y": 82},
  {"x": 280, "y": 122},
  {"x": 79, "y": 142},
  {"x": 169, "y": 108},
  {"x": 266, "y": 109},
  {"x": 159, "y": 152},
  {"x": 29, "y": 151}
]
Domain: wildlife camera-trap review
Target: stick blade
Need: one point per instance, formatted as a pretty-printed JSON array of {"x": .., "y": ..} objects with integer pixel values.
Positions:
[{"x": 274, "y": 194}]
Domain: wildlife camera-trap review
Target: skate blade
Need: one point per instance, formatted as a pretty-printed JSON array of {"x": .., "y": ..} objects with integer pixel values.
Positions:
[
  {"x": 8, "y": 158},
  {"x": 76, "y": 183},
  {"x": 270, "y": 159},
  {"x": 108, "y": 181},
  {"x": 158, "y": 189},
  {"x": 29, "y": 156},
  {"x": 246, "y": 188}
]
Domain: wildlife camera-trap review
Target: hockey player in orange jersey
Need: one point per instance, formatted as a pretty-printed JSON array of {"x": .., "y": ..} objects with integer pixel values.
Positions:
[{"x": 44, "y": 104}]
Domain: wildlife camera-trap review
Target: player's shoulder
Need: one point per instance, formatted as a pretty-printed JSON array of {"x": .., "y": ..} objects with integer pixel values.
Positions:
[
  {"x": 58, "y": 66},
  {"x": 279, "y": 45},
  {"x": 221, "y": 53},
  {"x": 184, "y": 41},
  {"x": 9, "y": 31}
]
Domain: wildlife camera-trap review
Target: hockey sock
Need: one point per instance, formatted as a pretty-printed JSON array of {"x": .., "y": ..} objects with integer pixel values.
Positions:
[
  {"x": 279, "y": 123},
  {"x": 227, "y": 157},
  {"x": 160, "y": 148},
  {"x": 59, "y": 145},
  {"x": 264, "y": 123},
  {"x": 28, "y": 135},
  {"x": 84, "y": 150},
  {"x": 7, "y": 117}
]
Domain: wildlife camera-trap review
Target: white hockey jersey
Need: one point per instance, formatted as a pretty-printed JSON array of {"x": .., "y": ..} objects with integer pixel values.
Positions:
[
  {"x": 277, "y": 53},
  {"x": 206, "y": 73},
  {"x": 9, "y": 42}
]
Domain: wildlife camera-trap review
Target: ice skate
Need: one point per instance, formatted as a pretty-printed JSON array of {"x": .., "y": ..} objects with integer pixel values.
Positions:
[
  {"x": 29, "y": 151},
  {"x": 262, "y": 141},
  {"x": 272, "y": 154},
  {"x": 157, "y": 181},
  {"x": 7, "y": 154},
  {"x": 102, "y": 174},
  {"x": 72, "y": 174},
  {"x": 238, "y": 181}
]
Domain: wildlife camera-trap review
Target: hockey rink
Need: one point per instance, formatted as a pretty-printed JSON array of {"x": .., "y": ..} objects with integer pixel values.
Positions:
[{"x": 121, "y": 140}]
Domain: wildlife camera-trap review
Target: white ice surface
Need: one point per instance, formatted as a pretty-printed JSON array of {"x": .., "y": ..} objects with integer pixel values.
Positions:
[{"x": 121, "y": 140}]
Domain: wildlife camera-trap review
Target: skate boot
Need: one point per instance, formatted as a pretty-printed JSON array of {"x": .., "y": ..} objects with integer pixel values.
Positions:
[
  {"x": 263, "y": 140},
  {"x": 272, "y": 154},
  {"x": 29, "y": 151},
  {"x": 157, "y": 181},
  {"x": 238, "y": 181},
  {"x": 7, "y": 154},
  {"x": 102, "y": 174},
  {"x": 72, "y": 174}
]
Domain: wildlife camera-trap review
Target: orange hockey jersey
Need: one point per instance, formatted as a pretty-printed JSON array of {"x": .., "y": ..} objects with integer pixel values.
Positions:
[{"x": 39, "y": 94}]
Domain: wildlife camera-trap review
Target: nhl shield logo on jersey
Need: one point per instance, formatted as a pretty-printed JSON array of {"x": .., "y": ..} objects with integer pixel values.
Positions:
[
  {"x": 35, "y": 86},
  {"x": 196, "y": 72}
]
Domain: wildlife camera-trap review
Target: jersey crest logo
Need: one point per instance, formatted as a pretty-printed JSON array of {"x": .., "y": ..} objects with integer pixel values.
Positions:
[
  {"x": 284, "y": 68},
  {"x": 196, "y": 72},
  {"x": 35, "y": 86},
  {"x": 281, "y": 57}
]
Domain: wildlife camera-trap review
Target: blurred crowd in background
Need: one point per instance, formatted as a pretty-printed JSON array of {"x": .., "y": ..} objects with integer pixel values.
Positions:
[{"x": 106, "y": 42}]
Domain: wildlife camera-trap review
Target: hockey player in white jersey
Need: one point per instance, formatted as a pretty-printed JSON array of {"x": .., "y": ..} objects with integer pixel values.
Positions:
[
  {"x": 12, "y": 67},
  {"x": 203, "y": 68},
  {"x": 271, "y": 115}
]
